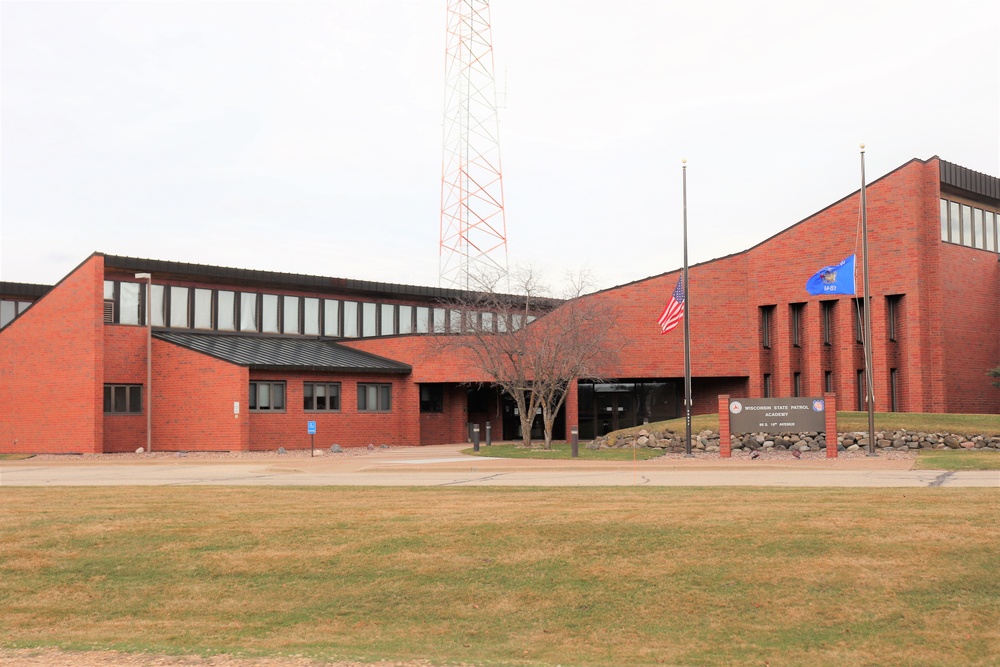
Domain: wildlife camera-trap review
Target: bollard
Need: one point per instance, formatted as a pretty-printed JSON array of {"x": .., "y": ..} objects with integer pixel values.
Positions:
[
  {"x": 574, "y": 435},
  {"x": 489, "y": 434},
  {"x": 475, "y": 437}
]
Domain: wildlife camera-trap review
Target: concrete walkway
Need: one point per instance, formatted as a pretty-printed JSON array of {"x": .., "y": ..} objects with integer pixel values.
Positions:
[{"x": 444, "y": 465}]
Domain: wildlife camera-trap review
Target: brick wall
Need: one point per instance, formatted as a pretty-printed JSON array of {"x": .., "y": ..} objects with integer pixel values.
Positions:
[
  {"x": 125, "y": 363},
  {"x": 51, "y": 369}
]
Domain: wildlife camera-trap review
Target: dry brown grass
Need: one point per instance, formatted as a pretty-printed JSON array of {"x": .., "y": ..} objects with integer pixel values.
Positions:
[{"x": 620, "y": 576}]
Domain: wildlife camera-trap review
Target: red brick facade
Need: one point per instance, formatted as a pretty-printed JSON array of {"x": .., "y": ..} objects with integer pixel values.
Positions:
[{"x": 56, "y": 357}]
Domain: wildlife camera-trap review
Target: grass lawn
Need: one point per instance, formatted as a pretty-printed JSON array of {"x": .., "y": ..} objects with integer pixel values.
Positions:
[
  {"x": 958, "y": 459},
  {"x": 563, "y": 450},
  {"x": 596, "y": 576}
]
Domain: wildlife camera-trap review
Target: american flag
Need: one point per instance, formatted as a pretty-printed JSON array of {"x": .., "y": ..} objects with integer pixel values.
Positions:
[{"x": 674, "y": 311}]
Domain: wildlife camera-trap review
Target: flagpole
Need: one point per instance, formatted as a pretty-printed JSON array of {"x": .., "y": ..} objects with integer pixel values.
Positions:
[
  {"x": 687, "y": 325},
  {"x": 870, "y": 381}
]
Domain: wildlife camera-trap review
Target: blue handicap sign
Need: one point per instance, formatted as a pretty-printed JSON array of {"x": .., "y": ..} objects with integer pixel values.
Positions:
[{"x": 312, "y": 427}]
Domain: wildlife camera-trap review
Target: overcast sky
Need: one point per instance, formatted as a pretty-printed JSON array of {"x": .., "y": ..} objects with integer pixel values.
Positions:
[{"x": 307, "y": 137}]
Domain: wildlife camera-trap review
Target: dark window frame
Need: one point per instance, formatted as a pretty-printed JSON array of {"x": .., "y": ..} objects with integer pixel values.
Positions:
[
  {"x": 329, "y": 394},
  {"x": 381, "y": 387},
  {"x": 797, "y": 311},
  {"x": 254, "y": 385},
  {"x": 766, "y": 323},
  {"x": 431, "y": 398},
  {"x": 130, "y": 399}
]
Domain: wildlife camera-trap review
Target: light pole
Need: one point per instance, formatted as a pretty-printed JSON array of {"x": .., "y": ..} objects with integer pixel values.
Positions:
[{"x": 148, "y": 277}]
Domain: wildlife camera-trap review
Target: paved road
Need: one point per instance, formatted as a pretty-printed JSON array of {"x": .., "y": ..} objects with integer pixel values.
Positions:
[{"x": 445, "y": 466}]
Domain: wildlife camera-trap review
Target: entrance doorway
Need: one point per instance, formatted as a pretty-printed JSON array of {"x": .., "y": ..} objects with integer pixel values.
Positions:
[{"x": 614, "y": 410}]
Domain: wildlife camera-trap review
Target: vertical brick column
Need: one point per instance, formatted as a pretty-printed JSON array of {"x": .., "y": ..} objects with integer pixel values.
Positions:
[
  {"x": 831, "y": 425},
  {"x": 725, "y": 445}
]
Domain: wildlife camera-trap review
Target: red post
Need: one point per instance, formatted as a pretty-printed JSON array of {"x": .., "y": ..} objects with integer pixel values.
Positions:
[
  {"x": 725, "y": 446},
  {"x": 830, "y": 400}
]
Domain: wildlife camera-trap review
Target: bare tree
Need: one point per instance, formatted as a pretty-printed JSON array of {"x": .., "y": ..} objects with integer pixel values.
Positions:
[{"x": 532, "y": 346}]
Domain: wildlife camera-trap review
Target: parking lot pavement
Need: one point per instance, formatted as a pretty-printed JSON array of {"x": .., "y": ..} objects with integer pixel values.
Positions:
[{"x": 444, "y": 465}]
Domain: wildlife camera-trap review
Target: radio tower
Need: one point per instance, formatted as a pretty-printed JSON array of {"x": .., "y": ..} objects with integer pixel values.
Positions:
[{"x": 473, "y": 227}]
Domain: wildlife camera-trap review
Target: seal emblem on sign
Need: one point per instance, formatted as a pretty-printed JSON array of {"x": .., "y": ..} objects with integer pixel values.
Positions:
[
  {"x": 736, "y": 407},
  {"x": 818, "y": 405}
]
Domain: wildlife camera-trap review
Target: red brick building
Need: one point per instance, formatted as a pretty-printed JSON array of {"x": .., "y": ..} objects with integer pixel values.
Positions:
[{"x": 243, "y": 360}]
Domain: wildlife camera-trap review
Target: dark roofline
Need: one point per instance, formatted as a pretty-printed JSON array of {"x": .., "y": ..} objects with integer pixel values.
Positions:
[
  {"x": 956, "y": 178},
  {"x": 24, "y": 289},
  {"x": 274, "y": 279}
]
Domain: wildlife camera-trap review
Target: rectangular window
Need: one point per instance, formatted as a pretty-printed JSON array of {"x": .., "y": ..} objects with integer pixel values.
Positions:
[
  {"x": 179, "y": 314},
  {"x": 248, "y": 312},
  {"x": 827, "y": 322},
  {"x": 267, "y": 396},
  {"x": 859, "y": 320},
  {"x": 439, "y": 320},
  {"x": 967, "y": 235},
  {"x": 431, "y": 398},
  {"x": 828, "y": 381},
  {"x": 331, "y": 318},
  {"x": 766, "y": 313},
  {"x": 290, "y": 314},
  {"x": 374, "y": 397},
  {"x": 978, "y": 230},
  {"x": 767, "y": 385},
  {"x": 123, "y": 399},
  {"x": 203, "y": 309},
  {"x": 797, "y": 384},
  {"x": 990, "y": 223},
  {"x": 131, "y": 303},
  {"x": 321, "y": 396},
  {"x": 159, "y": 310},
  {"x": 368, "y": 323},
  {"x": 350, "y": 319},
  {"x": 269, "y": 305},
  {"x": 225, "y": 310},
  {"x": 862, "y": 391},
  {"x": 7, "y": 312},
  {"x": 423, "y": 319},
  {"x": 893, "y": 390},
  {"x": 405, "y": 319},
  {"x": 387, "y": 320},
  {"x": 892, "y": 303},
  {"x": 796, "y": 323},
  {"x": 310, "y": 316},
  {"x": 455, "y": 321},
  {"x": 954, "y": 222}
]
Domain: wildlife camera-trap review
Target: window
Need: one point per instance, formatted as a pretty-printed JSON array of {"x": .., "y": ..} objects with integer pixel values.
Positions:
[
  {"x": 331, "y": 317},
  {"x": 248, "y": 312},
  {"x": 126, "y": 302},
  {"x": 290, "y": 314},
  {"x": 8, "y": 311},
  {"x": 827, "y": 323},
  {"x": 978, "y": 229},
  {"x": 767, "y": 385},
  {"x": 267, "y": 396},
  {"x": 944, "y": 220},
  {"x": 350, "y": 319},
  {"x": 455, "y": 321},
  {"x": 488, "y": 322},
  {"x": 797, "y": 384},
  {"x": 991, "y": 230},
  {"x": 368, "y": 314},
  {"x": 967, "y": 235},
  {"x": 828, "y": 381},
  {"x": 374, "y": 397},
  {"x": 431, "y": 398},
  {"x": 179, "y": 314},
  {"x": 766, "y": 318},
  {"x": 892, "y": 303},
  {"x": 203, "y": 309},
  {"x": 159, "y": 311},
  {"x": 862, "y": 391},
  {"x": 859, "y": 320},
  {"x": 954, "y": 222},
  {"x": 969, "y": 225},
  {"x": 387, "y": 321},
  {"x": 321, "y": 396},
  {"x": 893, "y": 390},
  {"x": 405, "y": 319},
  {"x": 423, "y": 317},
  {"x": 796, "y": 323},
  {"x": 269, "y": 313},
  {"x": 226, "y": 316},
  {"x": 310, "y": 316},
  {"x": 123, "y": 399},
  {"x": 439, "y": 315}
]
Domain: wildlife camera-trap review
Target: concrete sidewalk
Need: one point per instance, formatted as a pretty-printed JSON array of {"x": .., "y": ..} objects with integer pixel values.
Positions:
[{"x": 444, "y": 465}]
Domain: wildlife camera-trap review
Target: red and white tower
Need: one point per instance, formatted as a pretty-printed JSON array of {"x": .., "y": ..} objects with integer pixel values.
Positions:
[{"x": 473, "y": 226}]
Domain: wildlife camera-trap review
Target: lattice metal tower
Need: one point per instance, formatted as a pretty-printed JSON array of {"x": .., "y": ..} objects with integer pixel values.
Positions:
[{"x": 473, "y": 226}]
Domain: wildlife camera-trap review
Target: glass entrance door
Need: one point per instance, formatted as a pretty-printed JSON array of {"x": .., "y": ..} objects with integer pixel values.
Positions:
[{"x": 614, "y": 411}]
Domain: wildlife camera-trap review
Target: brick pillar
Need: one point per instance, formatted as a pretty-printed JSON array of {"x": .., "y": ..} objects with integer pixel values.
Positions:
[
  {"x": 831, "y": 425},
  {"x": 725, "y": 445}
]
